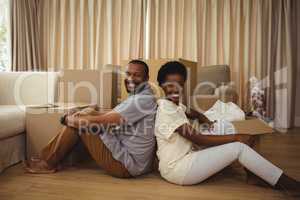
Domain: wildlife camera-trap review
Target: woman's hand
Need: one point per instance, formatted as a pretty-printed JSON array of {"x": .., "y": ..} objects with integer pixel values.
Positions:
[
  {"x": 211, "y": 125},
  {"x": 246, "y": 139}
]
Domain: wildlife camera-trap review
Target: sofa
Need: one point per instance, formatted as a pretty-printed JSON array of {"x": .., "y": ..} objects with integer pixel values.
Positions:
[{"x": 19, "y": 90}]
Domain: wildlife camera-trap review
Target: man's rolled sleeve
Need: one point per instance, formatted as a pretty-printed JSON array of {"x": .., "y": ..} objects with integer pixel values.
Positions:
[{"x": 136, "y": 107}]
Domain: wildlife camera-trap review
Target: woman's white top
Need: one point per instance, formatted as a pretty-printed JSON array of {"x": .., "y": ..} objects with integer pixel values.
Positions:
[{"x": 174, "y": 151}]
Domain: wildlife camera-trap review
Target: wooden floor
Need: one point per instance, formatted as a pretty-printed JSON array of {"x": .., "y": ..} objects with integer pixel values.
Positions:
[{"x": 87, "y": 182}]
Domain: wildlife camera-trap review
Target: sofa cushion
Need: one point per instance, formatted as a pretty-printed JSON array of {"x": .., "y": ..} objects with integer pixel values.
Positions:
[{"x": 12, "y": 120}]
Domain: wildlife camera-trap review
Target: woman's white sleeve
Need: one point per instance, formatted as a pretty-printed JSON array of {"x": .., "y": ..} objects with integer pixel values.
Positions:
[{"x": 168, "y": 122}]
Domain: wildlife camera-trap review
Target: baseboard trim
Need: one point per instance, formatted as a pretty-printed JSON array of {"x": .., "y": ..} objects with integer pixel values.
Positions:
[{"x": 297, "y": 121}]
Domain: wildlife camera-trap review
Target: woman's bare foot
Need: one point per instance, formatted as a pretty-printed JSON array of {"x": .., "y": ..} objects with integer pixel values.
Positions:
[{"x": 38, "y": 166}]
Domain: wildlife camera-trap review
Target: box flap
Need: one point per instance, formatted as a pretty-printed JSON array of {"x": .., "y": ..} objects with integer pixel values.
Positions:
[{"x": 252, "y": 127}]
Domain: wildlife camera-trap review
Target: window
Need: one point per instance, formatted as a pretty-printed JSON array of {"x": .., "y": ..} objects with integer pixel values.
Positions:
[{"x": 4, "y": 36}]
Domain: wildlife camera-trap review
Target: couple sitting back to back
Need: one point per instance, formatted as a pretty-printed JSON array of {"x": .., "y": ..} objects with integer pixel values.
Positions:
[{"x": 124, "y": 143}]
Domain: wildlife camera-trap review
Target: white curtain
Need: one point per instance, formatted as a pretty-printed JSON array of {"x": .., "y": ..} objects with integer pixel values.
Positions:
[
  {"x": 81, "y": 34},
  {"x": 171, "y": 30},
  {"x": 25, "y": 35}
]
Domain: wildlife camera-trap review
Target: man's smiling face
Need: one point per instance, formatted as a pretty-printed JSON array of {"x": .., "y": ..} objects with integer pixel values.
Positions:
[{"x": 135, "y": 75}]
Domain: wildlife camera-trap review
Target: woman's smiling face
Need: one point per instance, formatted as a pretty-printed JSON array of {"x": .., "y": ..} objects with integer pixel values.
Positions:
[{"x": 173, "y": 87}]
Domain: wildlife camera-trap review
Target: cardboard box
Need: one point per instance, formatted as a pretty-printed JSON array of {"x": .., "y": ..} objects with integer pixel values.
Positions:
[
  {"x": 43, "y": 124},
  {"x": 89, "y": 86},
  {"x": 252, "y": 126}
]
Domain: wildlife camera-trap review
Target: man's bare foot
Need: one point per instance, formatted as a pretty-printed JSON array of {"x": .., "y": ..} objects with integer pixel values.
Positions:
[{"x": 38, "y": 166}]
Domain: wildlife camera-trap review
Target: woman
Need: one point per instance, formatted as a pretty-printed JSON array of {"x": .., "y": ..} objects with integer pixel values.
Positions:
[{"x": 180, "y": 162}]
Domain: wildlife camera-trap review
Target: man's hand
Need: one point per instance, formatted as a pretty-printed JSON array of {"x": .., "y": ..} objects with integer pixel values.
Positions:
[
  {"x": 81, "y": 113},
  {"x": 72, "y": 120},
  {"x": 77, "y": 119},
  {"x": 75, "y": 112},
  {"x": 72, "y": 111},
  {"x": 91, "y": 109},
  {"x": 246, "y": 139}
]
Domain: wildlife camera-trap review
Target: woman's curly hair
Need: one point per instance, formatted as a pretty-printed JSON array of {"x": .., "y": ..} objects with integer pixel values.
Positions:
[{"x": 172, "y": 67}]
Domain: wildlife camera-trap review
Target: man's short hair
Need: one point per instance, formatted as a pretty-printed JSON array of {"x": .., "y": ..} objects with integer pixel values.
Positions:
[
  {"x": 139, "y": 62},
  {"x": 172, "y": 67}
]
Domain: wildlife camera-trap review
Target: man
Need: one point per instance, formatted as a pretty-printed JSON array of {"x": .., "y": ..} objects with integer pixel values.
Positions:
[{"x": 123, "y": 150}]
